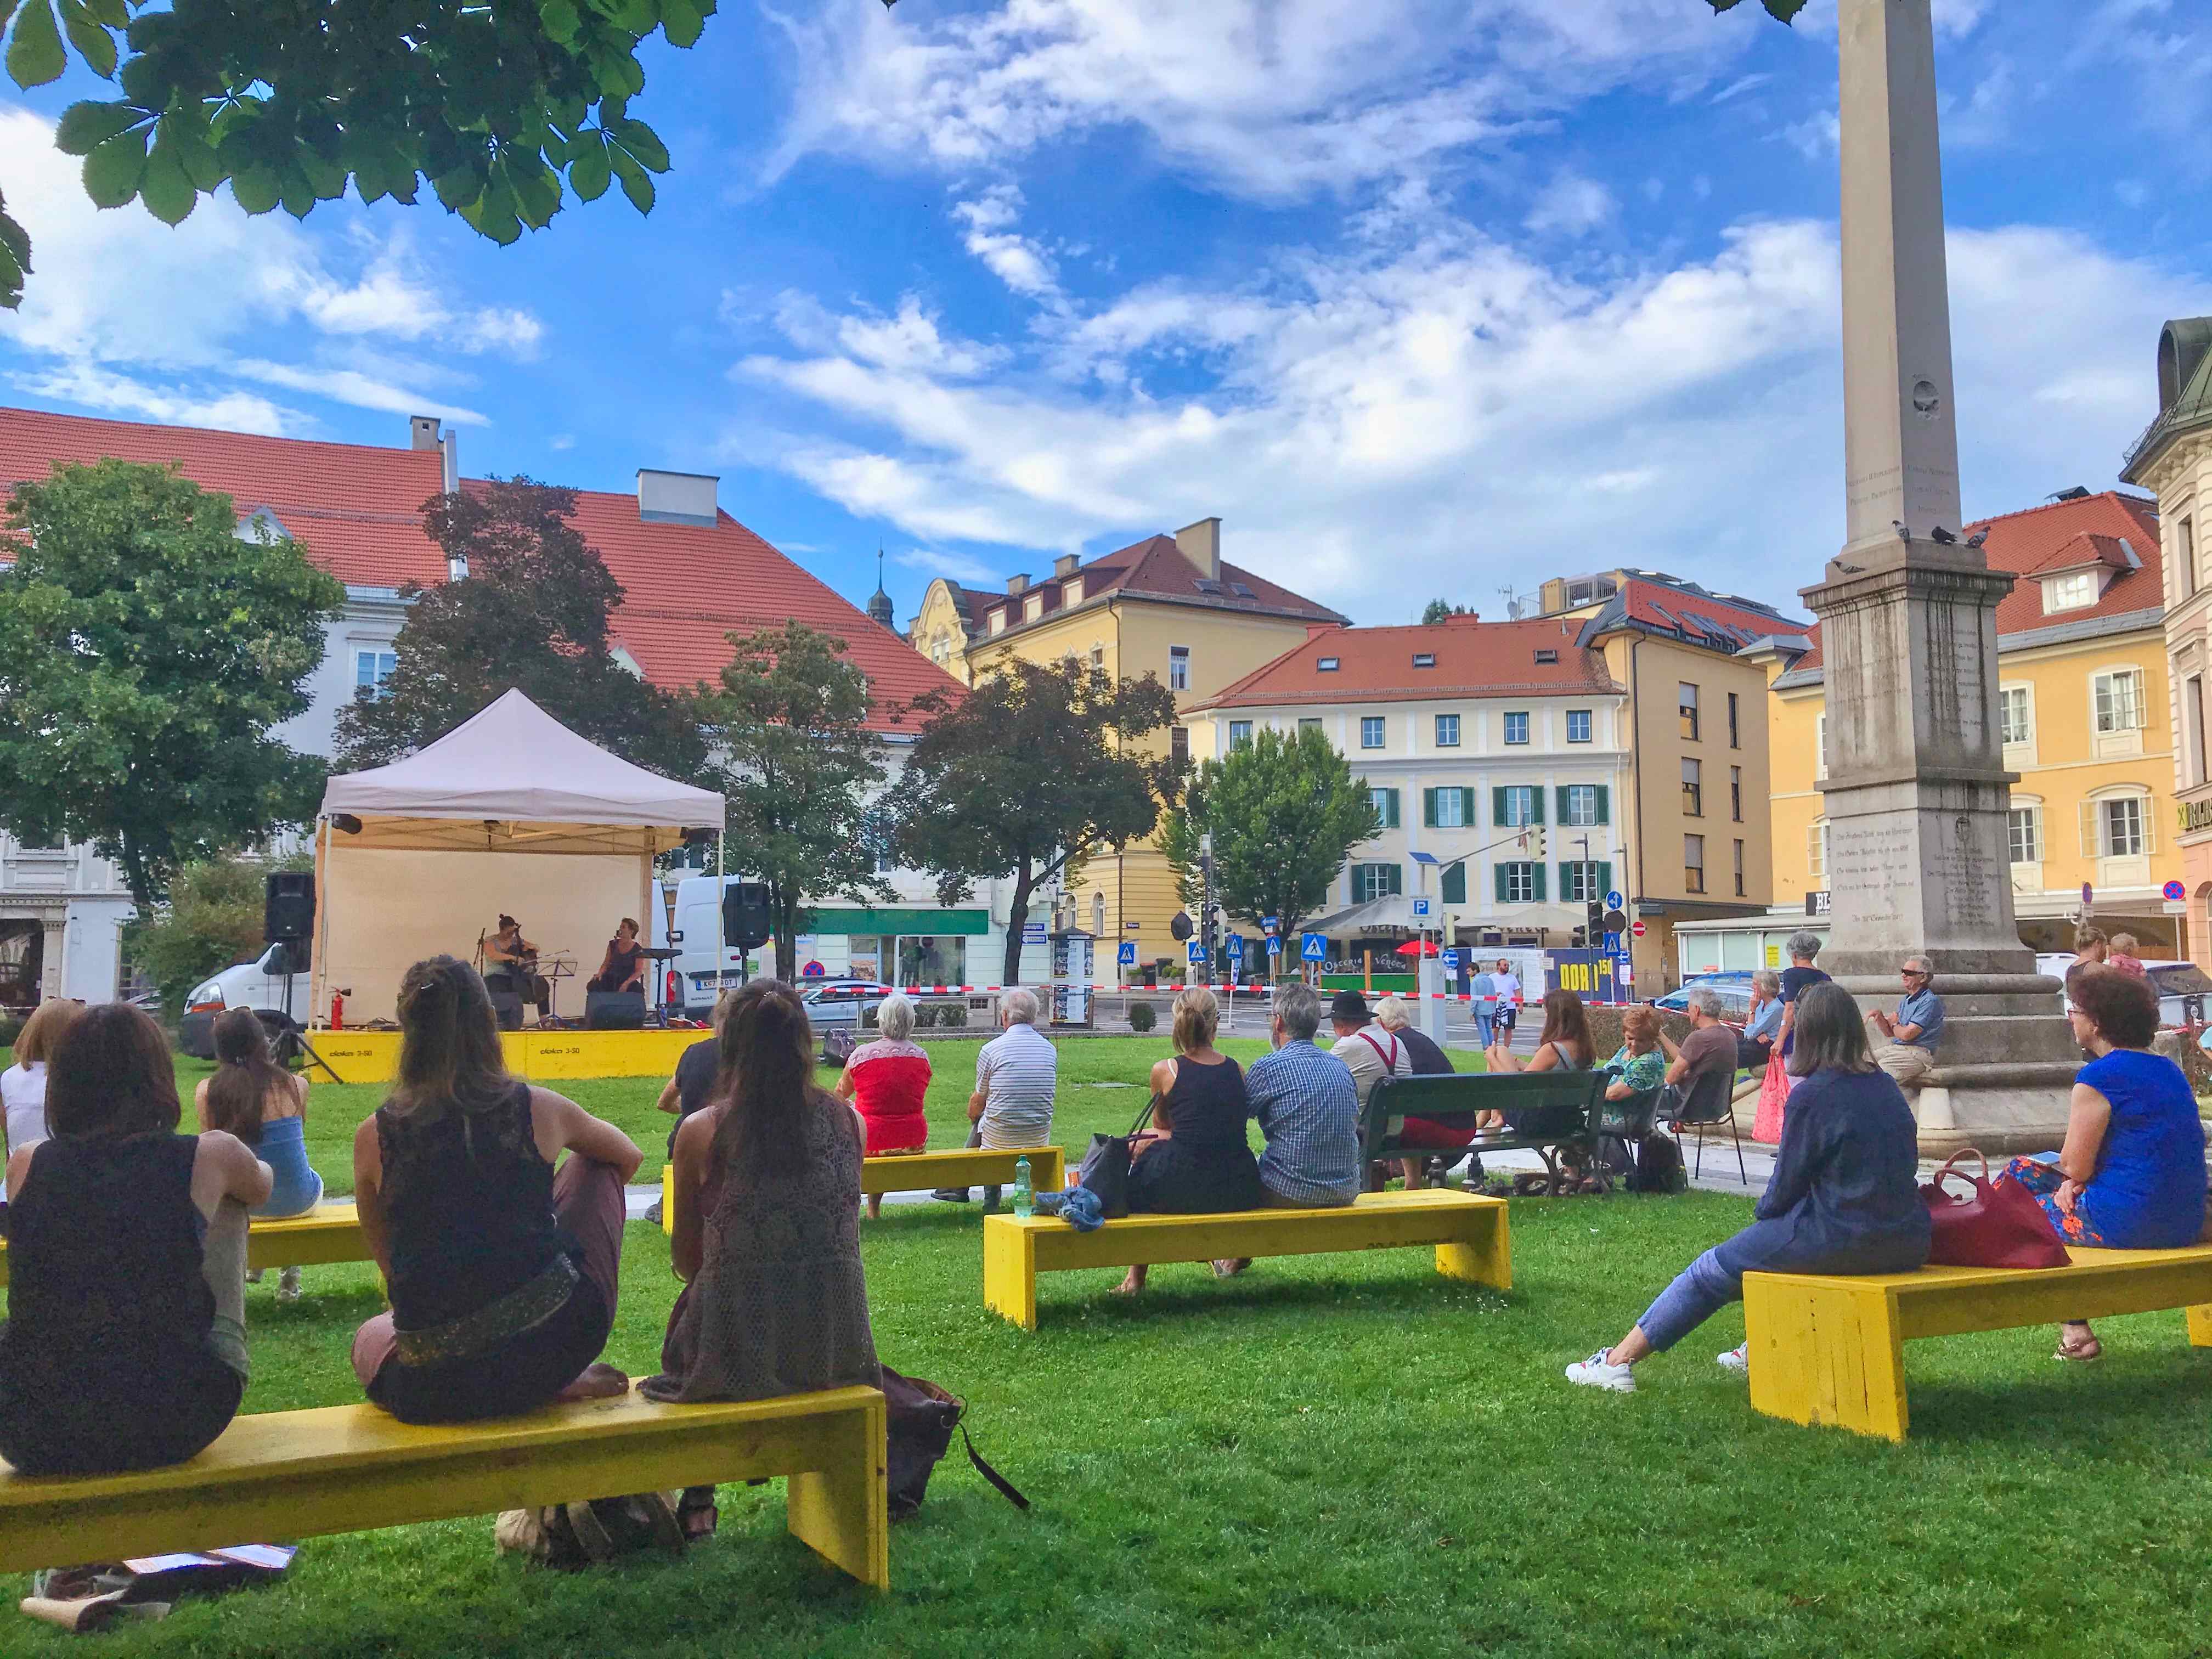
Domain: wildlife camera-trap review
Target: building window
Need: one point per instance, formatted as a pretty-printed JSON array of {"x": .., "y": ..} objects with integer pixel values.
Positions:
[
  {"x": 1424, "y": 660},
  {"x": 1325, "y": 665},
  {"x": 1449, "y": 809},
  {"x": 2193, "y": 713},
  {"x": 2120, "y": 700},
  {"x": 1578, "y": 726},
  {"x": 1735, "y": 794},
  {"x": 2069, "y": 592},
  {"x": 1517, "y": 883},
  {"x": 1545, "y": 658},
  {"x": 1693, "y": 864},
  {"x": 1240, "y": 734},
  {"x": 1375, "y": 881},
  {"x": 1739, "y": 869},
  {"x": 1308, "y": 723},
  {"x": 1033, "y": 607},
  {"x": 1452, "y": 887},
  {"x": 1582, "y": 805},
  {"x": 1816, "y": 853},
  {"x": 1517, "y": 728},
  {"x": 1447, "y": 731},
  {"x": 1582, "y": 880},
  {"x": 1099, "y": 658},
  {"x": 1179, "y": 743},
  {"x": 2120, "y": 827},
  {"x": 1516, "y": 806},
  {"x": 2016, "y": 713},
  {"x": 1819, "y": 745},
  {"x": 1070, "y": 592},
  {"x": 1178, "y": 668},
  {"x": 1385, "y": 803},
  {"x": 999, "y": 620},
  {"x": 1370, "y": 731},
  {"x": 1693, "y": 789},
  {"x": 1685, "y": 703},
  {"x": 371, "y": 669},
  {"x": 2185, "y": 547},
  {"x": 2024, "y": 834},
  {"x": 1733, "y": 743}
]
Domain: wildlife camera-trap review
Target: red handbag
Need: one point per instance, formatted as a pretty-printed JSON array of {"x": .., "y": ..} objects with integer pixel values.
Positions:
[{"x": 1999, "y": 1224}]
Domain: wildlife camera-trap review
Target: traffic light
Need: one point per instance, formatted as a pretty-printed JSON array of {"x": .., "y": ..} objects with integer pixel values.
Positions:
[{"x": 1582, "y": 938}]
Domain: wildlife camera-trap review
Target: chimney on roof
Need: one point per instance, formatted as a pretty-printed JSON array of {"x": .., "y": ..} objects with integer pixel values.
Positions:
[
  {"x": 1017, "y": 584},
  {"x": 1200, "y": 544},
  {"x": 451, "y": 445},
  {"x": 678, "y": 497},
  {"x": 421, "y": 431},
  {"x": 1462, "y": 618},
  {"x": 1066, "y": 565}
]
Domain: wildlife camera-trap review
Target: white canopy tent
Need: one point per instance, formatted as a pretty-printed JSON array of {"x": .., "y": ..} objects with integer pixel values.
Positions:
[{"x": 510, "y": 811}]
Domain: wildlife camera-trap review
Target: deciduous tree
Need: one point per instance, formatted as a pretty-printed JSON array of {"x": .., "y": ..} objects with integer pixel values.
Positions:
[
  {"x": 1030, "y": 772},
  {"x": 535, "y": 612},
  {"x": 145, "y": 652},
  {"x": 1283, "y": 811},
  {"x": 212, "y": 918},
  {"x": 798, "y": 767}
]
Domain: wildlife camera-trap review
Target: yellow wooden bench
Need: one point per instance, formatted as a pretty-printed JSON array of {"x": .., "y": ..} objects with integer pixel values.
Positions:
[
  {"x": 916, "y": 1172},
  {"x": 1469, "y": 1234},
  {"x": 1832, "y": 1349},
  {"x": 352, "y": 1468},
  {"x": 329, "y": 1232}
]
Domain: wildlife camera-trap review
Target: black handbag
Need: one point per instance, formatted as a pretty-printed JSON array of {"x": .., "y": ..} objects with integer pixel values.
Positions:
[
  {"x": 1105, "y": 1168},
  {"x": 922, "y": 1417}
]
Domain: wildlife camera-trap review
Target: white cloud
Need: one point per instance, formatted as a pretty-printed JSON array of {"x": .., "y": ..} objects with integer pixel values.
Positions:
[
  {"x": 969, "y": 573},
  {"x": 1016, "y": 260},
  {"x": 125, "y": 314},
  {"x": 1818, "y": 137},
  {"x": 1737, "y": 88},
  {"x": 1570, "y": 204}
]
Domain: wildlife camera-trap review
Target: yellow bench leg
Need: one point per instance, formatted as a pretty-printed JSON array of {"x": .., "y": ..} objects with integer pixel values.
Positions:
[
  {"x": 1048, "y": 1170},
  {"x": 842, "y": 1513},
  {"x": 668, "y": 1199},
  {"x": 1485, "y": 1256},
  {"x": 2200, "y": 1327},
  {"x": 1826, "y": 1354},
  {"x": 1009, "y": 1273}
]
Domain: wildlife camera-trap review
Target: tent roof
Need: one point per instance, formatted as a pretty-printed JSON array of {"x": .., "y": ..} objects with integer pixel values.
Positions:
[{"x": 514, "y": 762}]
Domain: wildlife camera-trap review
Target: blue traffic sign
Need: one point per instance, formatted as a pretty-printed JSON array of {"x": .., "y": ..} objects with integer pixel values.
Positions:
[
  {"x": 1614, "y": 900},
  {"x": 1420, "y": 906},
  {"x": 1450, "y": 960},
  {"x": 1316, "y": 948},
  {"x": 1236, "y": 947},
  {"x": 1197, "y": 951},
  {"x": 1613, "y": 944},
  {"x": 1128, "y": 953},
  {"x": 1273, "y": 924},
  {"x": 2175, "y": 892},
  {"x": 1274, "y": 945}
]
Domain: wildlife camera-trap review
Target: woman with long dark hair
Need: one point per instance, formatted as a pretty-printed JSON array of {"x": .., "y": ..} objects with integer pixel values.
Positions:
[
  {"x": 253, "y": 1097},
  {"x": 1845, "y": 1196},
  {"x": 501, "y": 1272},
  {"x": 125, "y": 1342},
  {"x": 1563, "y": 1045},
  {"x": 767, "y": 1232}
]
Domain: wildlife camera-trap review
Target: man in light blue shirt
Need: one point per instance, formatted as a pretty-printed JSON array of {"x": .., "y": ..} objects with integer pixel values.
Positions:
[
  {"x": 1309, "y": 1109},
  {"x": 1915, "y": 1030},
  {"x": 1484, "y": 991}
]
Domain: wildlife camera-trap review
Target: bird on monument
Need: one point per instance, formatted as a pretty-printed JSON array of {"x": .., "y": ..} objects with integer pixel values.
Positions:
[
  {"x": 1904, "y": 532},
  {"x": 1978, "y": 536},
  {"x": 1848, "y": 569},
  {"x": 1944, "y": 536}
]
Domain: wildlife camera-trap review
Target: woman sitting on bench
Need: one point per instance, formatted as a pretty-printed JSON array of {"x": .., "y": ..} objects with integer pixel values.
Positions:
[
  {"x": 1637, "y": 1066},
  {"x": 253, "y": 1097},
  {"x": 502, "y": 1273},
  {"x": 1564, "y": 1045},
  {"x": 2131, "y": 1174},
  {"x": 768, "y": 1229},
  {"x": 125, "y": 1342},
  {"x": 1843, "y": 1199}
]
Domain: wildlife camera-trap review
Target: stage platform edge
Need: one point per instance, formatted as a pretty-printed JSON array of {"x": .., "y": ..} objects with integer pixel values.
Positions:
[{"x": 541, "y": 1056}]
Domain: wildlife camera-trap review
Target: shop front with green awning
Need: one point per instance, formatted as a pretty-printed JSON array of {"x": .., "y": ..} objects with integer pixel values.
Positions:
[{"x": 860, "y": 919}]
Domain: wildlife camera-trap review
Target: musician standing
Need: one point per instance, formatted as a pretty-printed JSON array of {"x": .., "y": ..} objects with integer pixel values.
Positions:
[
  {"x": 510, "y": 957},
  {"x": 622, "y": 968}
]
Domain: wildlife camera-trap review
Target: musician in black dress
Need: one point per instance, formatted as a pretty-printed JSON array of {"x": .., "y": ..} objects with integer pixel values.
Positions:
[
  {"x": 511, "y": 964},
  {"x": 622, "y": 968}
]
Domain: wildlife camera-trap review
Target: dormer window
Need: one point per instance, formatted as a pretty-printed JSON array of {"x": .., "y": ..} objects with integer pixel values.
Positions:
[
  {"x": 1327, "y": 665},
  {"x": 1424, "y": 660},
  {"x": 2074, "y": 591},
  {"x": 1035, "y": 606},
  {"x": 1547, "y": 656},
  {"x": 1070, "y": 591},
  {"x": 998, "y": 620}
]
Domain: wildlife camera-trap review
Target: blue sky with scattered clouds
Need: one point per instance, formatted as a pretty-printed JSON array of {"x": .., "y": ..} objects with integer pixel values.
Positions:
[{"x": 1420, "y": 296}]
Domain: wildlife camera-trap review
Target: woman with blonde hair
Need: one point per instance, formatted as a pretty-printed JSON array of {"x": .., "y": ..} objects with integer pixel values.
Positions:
[
  {"x": 23, "y": 1085},
  {"x": 1196, "y": 1161},
  {"x": 888, "y": 1081}
]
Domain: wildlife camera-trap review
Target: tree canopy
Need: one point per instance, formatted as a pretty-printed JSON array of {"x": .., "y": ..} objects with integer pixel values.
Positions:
[
  {"x": 212, "y": 918},
  {"x": 799, "y": 769},
  {"x": 535, "y": 612},
  {"x": 145, "y": 652},
  {"x": 1026, "y": 774},
  {"x": 1283, "y": 811}
]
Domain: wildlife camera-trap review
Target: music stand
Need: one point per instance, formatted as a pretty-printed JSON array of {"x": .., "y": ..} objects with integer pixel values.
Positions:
[{"x": 659, "y": 957}]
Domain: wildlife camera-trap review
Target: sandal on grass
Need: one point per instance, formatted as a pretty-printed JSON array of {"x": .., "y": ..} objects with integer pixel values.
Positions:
[
  {"x": 2082, "y": 1350},
  {"x": 697, "y": 1514}
]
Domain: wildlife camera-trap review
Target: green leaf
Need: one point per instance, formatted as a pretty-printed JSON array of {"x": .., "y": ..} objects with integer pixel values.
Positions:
[
  {"x": 635, "y": 184},
  {"x": 641, "y": 142},
  {"x": 34, "y": 51},
  {"x": 112, "y": 14},
  {"x": 1785, "y": 10},
  {"x": 166, "y": 188},
  {"x": 7, "y": 11},
  {"x": 255, "y": 187},
  {"x": 460, "y": 189},
  {"x": 536, "y": 190},
  {"x": 84, "y": 127},
  {"x": 296, "y": 193},
  {"x": 93, "y": 44},
  {"x": 560, "y": 19},
  {"x": 681, "y": 21},
  {"x": 15, "y": 259},
  {"x": 112, "y": 171},
  {"x": 588, "y": 171},
  {"x": 184, "y": 132}
]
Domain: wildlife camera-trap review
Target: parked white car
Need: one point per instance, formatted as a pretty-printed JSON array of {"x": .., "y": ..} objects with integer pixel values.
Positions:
[{"x": 256, "y": 984}]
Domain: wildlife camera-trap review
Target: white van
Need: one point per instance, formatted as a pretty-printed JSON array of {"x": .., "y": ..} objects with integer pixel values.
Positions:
[
  {"x": 700, "y": 976},
  {"x": 256, "y": 984}
]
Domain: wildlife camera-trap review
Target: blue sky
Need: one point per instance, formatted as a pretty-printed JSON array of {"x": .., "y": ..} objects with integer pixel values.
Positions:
[{"x": 1420, "y": 296}]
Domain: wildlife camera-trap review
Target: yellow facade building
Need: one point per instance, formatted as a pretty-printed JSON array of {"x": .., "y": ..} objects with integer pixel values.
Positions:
[
  {"x": 1167, "y": 605},
  {"x": 2087, "y": 724}
]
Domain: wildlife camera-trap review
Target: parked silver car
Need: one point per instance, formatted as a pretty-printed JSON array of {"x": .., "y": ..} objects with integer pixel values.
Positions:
[{"x": 842, "y": 1004}]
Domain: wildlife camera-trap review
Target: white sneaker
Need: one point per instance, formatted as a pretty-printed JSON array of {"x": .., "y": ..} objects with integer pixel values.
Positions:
[
  {"x": 1599, "y": 1372},
  {"x": 1736, "y": 1359}
]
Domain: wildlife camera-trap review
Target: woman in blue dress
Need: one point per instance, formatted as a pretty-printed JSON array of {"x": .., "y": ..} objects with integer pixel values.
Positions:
[
  {"x": 253, "y": 1097},
  {"x": 2131, "y": 1176}
]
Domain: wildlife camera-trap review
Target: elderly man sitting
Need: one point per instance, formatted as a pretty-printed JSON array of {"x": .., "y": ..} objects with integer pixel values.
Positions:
[
  {"x": 1711, "y": 1046},
  {"x": 1914, "y": 1031},
  {"x": 1017, "y": 1075}
]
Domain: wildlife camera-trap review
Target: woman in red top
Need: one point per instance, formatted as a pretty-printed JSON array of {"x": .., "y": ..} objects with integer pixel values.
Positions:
[{"x": 888, "y": 1080}]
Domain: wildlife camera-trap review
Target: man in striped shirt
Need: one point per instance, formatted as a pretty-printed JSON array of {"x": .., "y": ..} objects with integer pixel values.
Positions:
[
  {"x": 1308, "y": 1109},
  {"x": 1016, "y": 1075}
]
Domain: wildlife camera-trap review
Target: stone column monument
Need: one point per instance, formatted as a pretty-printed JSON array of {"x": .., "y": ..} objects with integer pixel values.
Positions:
[{"x": 1917, "y": 789}]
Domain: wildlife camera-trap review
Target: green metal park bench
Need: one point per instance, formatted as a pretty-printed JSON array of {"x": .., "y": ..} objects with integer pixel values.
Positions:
[{"x": 1546, "y": 1113}]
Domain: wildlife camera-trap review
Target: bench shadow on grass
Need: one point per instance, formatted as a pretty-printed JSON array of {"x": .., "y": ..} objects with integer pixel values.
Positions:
[
  {"x": 1182, "y": 1298},
  {"x": 2124, "y": 1414}
]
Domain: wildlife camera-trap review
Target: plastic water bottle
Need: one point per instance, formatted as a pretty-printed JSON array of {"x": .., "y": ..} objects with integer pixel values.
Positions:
[{"x": 1025, "y": 1193}]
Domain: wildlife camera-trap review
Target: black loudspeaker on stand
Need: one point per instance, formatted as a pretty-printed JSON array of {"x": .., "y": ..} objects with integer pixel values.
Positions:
[
  {"x": 745, "y": 923},
  {"x": 287, "y": 906},
  {"x": 614, "y": 1011}
]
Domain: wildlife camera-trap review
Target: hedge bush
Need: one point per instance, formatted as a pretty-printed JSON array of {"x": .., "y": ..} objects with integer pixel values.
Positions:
[
  {"x": 952, "y": 1013},
  {"x": 10, "y": 1029},
  {"x": 1141, "y": 1017},
  {"x": 1605, "y": 1027}
]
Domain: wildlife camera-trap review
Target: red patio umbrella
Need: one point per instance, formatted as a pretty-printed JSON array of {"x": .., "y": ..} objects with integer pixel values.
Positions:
[{"x": 1418, "y": 947}]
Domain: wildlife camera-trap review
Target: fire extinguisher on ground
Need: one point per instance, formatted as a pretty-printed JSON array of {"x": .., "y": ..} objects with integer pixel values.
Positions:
[{"x": 338, "y": 1010}]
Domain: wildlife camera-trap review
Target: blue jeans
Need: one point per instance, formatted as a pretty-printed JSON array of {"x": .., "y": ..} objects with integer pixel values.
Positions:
[
  {"x": 1712, "y": 1282},
  {"x": 1485, "y": 1025}
]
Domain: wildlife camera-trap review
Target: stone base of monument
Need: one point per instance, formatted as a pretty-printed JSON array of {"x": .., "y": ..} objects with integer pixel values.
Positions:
[{"x": 2005, "y": 1075}]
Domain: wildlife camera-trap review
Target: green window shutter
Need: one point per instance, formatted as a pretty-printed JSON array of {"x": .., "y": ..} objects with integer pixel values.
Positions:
[
  {"x": 1396, "y": 878},
  {"x": 1561, "y": 807},
  {"x": 1604, "y": 807},
  {"x": 1497, "y": 808},
  {"x": 1536, "y": 803},
  {"x": 1454, "y": 884},
  {"x": 1498, "y": 870},
  {"x": 1429, "y": 808},
  {"x": 1566, "y": 866},
  {"x": 1466, "y": 814},
  {"x": 1537, "y": 872},
  {"x": 1604, "y": 879},
  {"x": 1390, "y": 809}
]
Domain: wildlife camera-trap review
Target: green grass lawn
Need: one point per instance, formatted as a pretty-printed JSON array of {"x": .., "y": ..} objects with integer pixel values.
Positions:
[{"x": 1332, "y": 1455}]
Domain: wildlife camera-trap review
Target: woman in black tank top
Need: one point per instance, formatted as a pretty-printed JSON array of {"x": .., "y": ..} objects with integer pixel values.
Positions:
[{"x": 1200, "y": 1162}]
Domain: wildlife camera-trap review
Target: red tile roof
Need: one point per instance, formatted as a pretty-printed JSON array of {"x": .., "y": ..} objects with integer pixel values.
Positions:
[
  {"x": 2074, "y": 535},
  {"x": 1706, "y": 618},
  {"x": 356, "y": 509},
  {"x": 1155, "y": 568},
  {"x": 1473, "y": 659}
]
